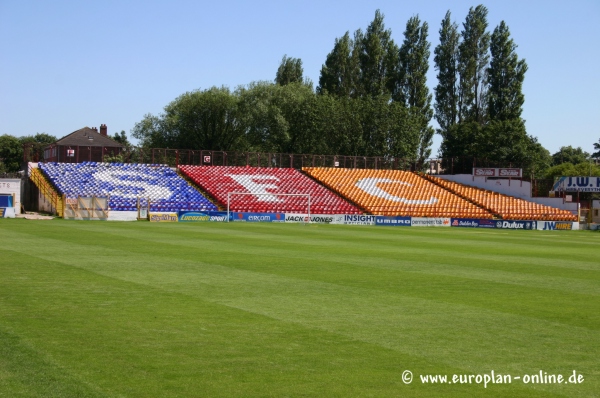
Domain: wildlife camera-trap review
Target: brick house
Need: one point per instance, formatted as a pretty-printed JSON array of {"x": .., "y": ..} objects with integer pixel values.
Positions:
[{"x": 83, "y": 145}]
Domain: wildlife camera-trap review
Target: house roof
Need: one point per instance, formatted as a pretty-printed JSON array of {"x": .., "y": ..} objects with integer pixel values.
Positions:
[{"x": 82, "y": 136}]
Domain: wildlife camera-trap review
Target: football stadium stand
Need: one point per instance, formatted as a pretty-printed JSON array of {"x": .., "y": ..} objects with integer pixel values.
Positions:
[
  {"x": 396, "y": 193},
  {"x": 504, "y": 206},
  {"x": 219, "y": 181},
  {"x": 125, "y": 183}
]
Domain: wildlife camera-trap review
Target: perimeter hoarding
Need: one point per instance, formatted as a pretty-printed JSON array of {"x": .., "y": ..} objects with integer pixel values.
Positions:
[
  {"x": 163, "y": 217},
  {"x": 203, "y": 216},
  {"x": 359, "y": 219},
  {"x": 430, "y": 222},
  {"x": 557, "y": 225},
  {"x": 390, "y": 221},
  {"x": 258, "y": 217},
  {"x": 315, "y": 218},
  {"x": 472, "y": 223},
  {"x": 506, "y": 224}
]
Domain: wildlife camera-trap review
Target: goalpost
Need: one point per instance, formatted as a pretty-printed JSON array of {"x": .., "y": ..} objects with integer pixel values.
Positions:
[{"x": 230, "y": 194}]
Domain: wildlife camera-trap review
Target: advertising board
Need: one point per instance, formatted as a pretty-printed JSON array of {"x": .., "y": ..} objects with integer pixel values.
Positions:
[
  {"x": 429, "y": 222},
  {"x": 577, "y": 184},
  {"x": 359, "y": 219},
  {"x": 472, "y": 223},
  {"x": 258, "y": 217},
  {"x": 497, "y": 172},
  {"x": 511, "y": 224},
  {"x": 555, "y": 225},
  {"x": 163, "y": 217},
  {"x": 203, "y": 216},
  {"x": 391, "y": 221},
  {"x": 315, "y": 218}
]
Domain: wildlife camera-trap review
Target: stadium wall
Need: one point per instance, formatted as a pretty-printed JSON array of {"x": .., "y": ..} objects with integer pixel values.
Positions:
[{"x": 517, "y": 188}]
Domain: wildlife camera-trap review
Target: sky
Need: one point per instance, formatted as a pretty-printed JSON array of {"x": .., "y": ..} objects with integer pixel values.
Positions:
[{"x": 65, "y": 65}]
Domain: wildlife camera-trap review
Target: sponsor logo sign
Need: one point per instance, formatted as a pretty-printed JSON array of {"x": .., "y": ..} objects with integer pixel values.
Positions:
[
  {"x": 315, "y": 218},
  {"x": 190, "y": 216},
  {"x": 505, "y": 224},
  {"x": 555, "y": 225},
  {"x": 497, "y": 172},
  {"x": 577, "y": 184},
  {"x": 163, "y": 217},
  {"x": 259, "y": 217},
  {"x": 429, "y": 222},
  {"x": 393, "y": 221},
  {"x": 472, "y": 223},
  {"x": 2, "y": 210},
  {"x": 359, "y": 219}
]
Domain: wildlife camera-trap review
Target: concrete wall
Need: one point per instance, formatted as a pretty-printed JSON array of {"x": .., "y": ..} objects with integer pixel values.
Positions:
[
  {"x": 12, "y": 186},
  {"x": 517, "y": 188}
]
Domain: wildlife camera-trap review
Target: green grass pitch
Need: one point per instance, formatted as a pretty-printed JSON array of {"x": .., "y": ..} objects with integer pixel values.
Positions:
[{"x": 108, "y": 309}]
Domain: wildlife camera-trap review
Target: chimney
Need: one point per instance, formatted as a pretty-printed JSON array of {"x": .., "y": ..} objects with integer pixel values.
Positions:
[
  {"x": 95, "y": 129},
  {"x": 103, "y": 130}
]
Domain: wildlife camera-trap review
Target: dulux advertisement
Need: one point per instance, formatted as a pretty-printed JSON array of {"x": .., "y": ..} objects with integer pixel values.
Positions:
[{"x": 512, "y": 224}]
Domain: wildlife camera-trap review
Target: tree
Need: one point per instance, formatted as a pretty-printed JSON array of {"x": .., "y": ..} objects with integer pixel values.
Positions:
[
  {"x": 11, "y": 153},
  {"x": 506, "y": 74},
  {"x": 568, "y": 154},
  {"x": 412, "y": 90},
  {"x": 573, "y": 170},
  {"x": 36, "y": 144},
  {"x": 290, "y": 71},
  {"x": 339, "y": 74},
  {"x": 377, "y": 59},
  {"x": 472, "y": 64},
  {"x": 121, "y": 138},
  {"x": 446, "y": 63},
  {"x": 596, "y": 155},
  {"x": 195, "y": 120}
]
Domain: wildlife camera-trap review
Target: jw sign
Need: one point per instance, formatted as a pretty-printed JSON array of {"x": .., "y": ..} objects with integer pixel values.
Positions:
[{"x": 577, "y": 184}]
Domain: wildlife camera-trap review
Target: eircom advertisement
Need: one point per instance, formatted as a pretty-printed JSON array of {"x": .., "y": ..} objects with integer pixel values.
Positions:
[{"x": 258, "y": 217}]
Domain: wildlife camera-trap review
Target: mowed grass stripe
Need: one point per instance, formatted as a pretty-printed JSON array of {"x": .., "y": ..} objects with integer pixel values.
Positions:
[
  {"x": 132, "y": 340},
  {"x": 527, "y": 302},
  {"x": 263, "y": 286},
  {"x": 525, "y": 294}
]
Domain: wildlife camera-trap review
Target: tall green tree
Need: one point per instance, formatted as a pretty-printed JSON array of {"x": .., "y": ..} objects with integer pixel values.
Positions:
[
  {"x": 413, "y": 92},
  {"x": 447, "y": 89},
  {"x": 339, "y": 74},
  {"x": 290, "y": 71},
  {"x": 377, "y": 57},
  {"x": 473, "y": 66},
  {"x": 506, "y": 75}
]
